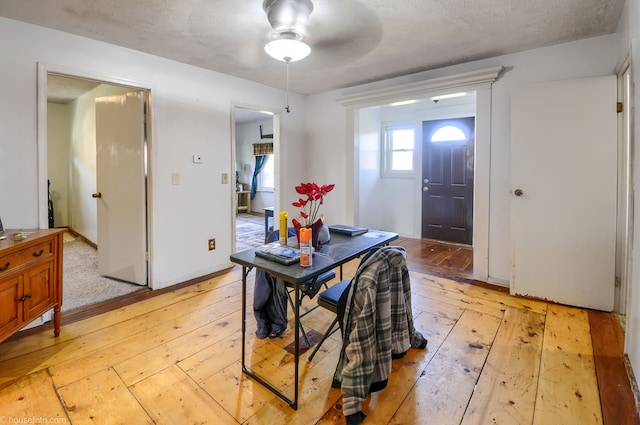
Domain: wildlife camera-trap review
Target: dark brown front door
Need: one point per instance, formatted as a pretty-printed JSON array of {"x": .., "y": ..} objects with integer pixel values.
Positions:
[{"x": 447, "y": 179}]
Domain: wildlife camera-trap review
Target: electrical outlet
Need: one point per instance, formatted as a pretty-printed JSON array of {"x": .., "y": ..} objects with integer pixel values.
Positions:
[{"x": 212, "y": 244}]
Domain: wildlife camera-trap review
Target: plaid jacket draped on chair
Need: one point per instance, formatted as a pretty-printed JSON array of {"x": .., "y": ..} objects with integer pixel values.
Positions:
[{"x": 377, "y": 326}]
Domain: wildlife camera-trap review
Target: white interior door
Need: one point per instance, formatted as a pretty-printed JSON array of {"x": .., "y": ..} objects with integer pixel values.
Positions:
[
  {"x": 563, "y": 208},
  {"x": 120, "y": 171}
]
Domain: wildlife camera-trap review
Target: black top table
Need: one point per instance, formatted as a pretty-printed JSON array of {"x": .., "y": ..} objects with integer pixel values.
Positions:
[{"x": 338, "y": 251}]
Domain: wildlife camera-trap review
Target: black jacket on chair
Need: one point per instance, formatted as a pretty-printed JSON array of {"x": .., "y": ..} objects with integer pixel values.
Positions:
[{"x": 270, "y": 300}]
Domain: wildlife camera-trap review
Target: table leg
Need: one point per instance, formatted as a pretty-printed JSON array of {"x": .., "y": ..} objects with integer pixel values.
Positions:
[
  {"x": 245, "y": 369},
  {"x": 297, "y": 349},
  {"x": 244, "y": 313}
]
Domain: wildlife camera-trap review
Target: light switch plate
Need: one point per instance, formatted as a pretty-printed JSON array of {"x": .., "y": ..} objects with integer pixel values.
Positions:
[{"x": 225, "y": 178}]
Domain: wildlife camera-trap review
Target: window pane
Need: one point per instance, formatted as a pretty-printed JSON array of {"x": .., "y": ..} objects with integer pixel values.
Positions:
[
  {"x": 398, "y": 147},
  {"x": 402, "y": 139},
  {"x": 402, "y": 161},
  {"x": 448, "y": 134},
  {"x": 267, "y": 175}
]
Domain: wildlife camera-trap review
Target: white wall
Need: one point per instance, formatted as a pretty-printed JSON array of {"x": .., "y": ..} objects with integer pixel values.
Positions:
[
  {"x": 58, "y": 135},
  {"x": 190, "y": 113},
  {"x": 370, "y": 205}
]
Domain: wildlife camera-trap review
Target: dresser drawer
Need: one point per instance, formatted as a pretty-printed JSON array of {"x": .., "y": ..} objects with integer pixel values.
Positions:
[{"x": 26, "y": 256}]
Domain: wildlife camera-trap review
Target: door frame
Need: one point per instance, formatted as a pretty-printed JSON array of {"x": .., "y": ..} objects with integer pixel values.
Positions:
[
  {"x": 275, "y": 114},
  {"x": 43, "y": 70},
  {"x": 624, "y": 222},
  {"x": 481, "y": 82}
]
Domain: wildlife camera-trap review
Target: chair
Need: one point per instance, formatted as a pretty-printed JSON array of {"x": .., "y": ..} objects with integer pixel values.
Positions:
[
  {"x": 310, "y": 289},
  {"x": 329, "y": 299}
]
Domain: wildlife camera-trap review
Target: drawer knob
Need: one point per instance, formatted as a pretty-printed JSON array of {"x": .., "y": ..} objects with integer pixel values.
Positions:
[
  {"x": 25, "y": 297},
  {"x": 37, "y": 254},
  {"x": 6, "y": 266}
]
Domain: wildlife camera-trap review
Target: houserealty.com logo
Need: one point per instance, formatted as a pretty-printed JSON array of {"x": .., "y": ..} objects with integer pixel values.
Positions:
[{"x": 31, "y": 420}]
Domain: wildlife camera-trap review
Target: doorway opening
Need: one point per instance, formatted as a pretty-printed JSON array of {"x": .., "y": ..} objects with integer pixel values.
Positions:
[
  {"x": 422, "y": 174},
  {"x": 363, "y": 117},
  {"x": 256, "y": 178},
  {"x": 68, "y": 154}
]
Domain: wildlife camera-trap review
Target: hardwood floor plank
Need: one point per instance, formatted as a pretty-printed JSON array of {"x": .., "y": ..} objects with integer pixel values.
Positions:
[
  {"x": 205, "y": 363},
  {"x": 69, "y": 347},
  {"x": 567, "y": 388},
  {"x": 97, "y": 356},
  {"x": 443, "y": 389},
  {"x": 159, "y": 357},
  {"x": 460, "y": 300},
  {"x": 316, "y": 394},
  {"x": 102, "y": 399},
  {"x": 236, "y": 392},
  {"x": 616, "y": 394},
  {"x": 31, "y": 398},
  {"x": 438, "y": 258},
  {"x": 170, "y": 397},
  {"x": 430, "y": 305},
  {"x": 480, "y": 292},
  {"x": 19, "y": 346},
  {"x": 506, "y": 390}
]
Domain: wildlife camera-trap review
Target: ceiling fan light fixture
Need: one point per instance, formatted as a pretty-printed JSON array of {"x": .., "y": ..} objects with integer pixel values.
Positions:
[
  {"x": 288, "y": 15},
  {"x": 287, "y": 49}
]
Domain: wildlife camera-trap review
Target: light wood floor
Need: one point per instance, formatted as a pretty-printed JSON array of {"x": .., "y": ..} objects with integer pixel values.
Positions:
[{"x": 175, "y": 359}]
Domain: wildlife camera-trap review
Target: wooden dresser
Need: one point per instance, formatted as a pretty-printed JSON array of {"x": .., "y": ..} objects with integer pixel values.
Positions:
[{"x": 30, "y": 279}]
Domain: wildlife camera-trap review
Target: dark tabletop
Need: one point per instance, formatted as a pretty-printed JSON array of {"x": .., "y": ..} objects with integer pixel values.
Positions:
[{"x": 339, "y": 250}]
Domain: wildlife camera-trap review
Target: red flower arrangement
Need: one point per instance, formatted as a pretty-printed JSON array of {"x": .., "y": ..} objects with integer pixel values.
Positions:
[{"x": 314, "y": 197}]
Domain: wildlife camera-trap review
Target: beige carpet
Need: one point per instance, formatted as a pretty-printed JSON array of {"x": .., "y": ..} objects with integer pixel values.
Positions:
[{"x": 82, "y": 284}]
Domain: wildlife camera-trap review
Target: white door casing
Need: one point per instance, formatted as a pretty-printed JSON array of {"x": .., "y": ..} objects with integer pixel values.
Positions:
[
  {"x": 120, "y": 176},
  {"x": 563, "y": 223}
]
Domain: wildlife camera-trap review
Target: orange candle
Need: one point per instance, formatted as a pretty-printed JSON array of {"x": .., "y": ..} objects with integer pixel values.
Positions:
[{"x": 305, "y": 247}]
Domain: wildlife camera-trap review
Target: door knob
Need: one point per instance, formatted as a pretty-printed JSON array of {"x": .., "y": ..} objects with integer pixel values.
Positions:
[
  {"x": 97, "y": 195},
  {"x": 518, "y": 192},
  {"x": 425, "y": 189},
  {"x": 426, "y": 181}
]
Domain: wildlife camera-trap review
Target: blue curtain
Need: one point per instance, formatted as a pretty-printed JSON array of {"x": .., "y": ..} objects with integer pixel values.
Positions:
[{"x": 261, "y": 161}]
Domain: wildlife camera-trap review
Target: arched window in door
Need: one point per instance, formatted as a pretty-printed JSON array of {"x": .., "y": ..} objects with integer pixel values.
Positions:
[{"x": 448, "y": 133}]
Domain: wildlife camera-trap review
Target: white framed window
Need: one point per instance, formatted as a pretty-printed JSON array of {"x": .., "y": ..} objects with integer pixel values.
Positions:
[
  {"x": 266, "y": 178},
  {"x": 398, "y": 152}
]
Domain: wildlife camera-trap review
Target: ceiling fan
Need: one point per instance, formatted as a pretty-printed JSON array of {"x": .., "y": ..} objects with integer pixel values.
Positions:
[
  {"x": 288, "y": 19},
  {"x": 341, "y": 29}
]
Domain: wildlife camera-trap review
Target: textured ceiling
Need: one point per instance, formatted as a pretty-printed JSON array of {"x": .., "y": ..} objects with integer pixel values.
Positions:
[{"x": 352, "y": 42}]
